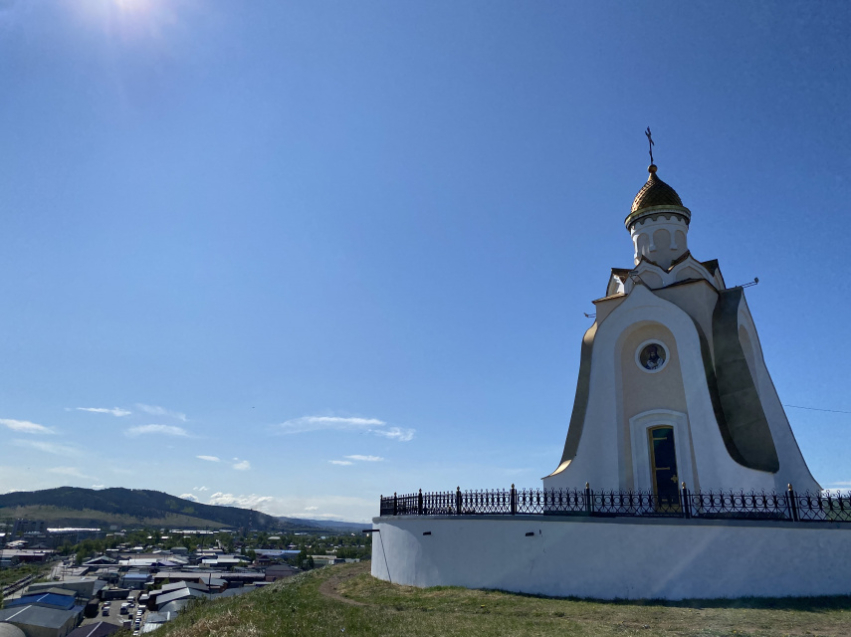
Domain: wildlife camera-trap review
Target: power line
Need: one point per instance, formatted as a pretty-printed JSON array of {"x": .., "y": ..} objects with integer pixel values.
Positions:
[{"x": 833, "y": 411}]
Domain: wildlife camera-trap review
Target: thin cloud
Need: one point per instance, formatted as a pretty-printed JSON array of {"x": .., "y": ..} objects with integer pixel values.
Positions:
[
  {"x": 115, "y": 411},
  {"x": 342, "y": 463},
  {"x": 25, "y": 426},
  {"x": 366, "y": 458},
  {"x": 73, "y": 472},
  {"x": 48, "y": 447},
  {"x": 336, "y": 423},
  {"x": 208, "y": 458},
  {"x": 321, "y": 423},
  {"x": 400, "y": 434},
  {"x": 242, "y": 466},
  {"x": 334, "y": 507},
  {"x": 243, "y": 501},
  {"x": 156, "y": 410},
  {"x": 200, "y": 489},
  {"x": 189, "y": 496},
  {"x": 98, "y": 487},
  {"x": 166, "y": 430}
]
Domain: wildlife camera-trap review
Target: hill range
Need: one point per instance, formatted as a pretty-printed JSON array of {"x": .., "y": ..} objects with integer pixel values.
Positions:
[{"x": 77, "y": 507}]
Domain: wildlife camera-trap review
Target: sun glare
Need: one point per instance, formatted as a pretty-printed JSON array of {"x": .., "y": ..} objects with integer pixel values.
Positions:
[{"x": 130, "y": 19}]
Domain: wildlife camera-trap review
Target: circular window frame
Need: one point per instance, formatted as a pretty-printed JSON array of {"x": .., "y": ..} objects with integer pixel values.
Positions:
[{"x": 641, "y": 347}]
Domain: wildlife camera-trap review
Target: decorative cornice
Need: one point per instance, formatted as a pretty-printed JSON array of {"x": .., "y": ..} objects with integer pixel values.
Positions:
[{"x": 656, "y": 211}]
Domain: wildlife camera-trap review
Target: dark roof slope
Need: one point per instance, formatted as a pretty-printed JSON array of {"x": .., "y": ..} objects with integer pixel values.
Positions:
[
  {"x": 99, "y": 629},
  {"x": 37, "y": 616}
]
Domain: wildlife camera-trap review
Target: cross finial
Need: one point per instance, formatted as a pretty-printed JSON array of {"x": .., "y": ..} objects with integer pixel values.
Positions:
[{"x": 650, "y": 139}]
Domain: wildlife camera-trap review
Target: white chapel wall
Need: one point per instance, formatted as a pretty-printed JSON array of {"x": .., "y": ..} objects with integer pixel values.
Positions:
[
  {"x": 604, "y": 453},
  {"x": 644, "y": 392}
]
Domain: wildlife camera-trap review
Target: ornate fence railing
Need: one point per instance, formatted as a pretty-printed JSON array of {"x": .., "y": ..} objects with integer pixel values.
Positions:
[{"x": 787, "y": 506}]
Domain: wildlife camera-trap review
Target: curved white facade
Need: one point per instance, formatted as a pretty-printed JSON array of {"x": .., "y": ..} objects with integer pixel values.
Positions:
[{"x": 701, "y": 398}]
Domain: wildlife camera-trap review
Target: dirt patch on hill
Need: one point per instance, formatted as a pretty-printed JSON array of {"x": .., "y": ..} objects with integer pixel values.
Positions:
[{"x": 331, "y": 586}]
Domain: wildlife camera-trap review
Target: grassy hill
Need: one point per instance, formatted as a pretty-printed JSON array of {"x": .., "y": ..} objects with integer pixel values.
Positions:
[
  {"x": 72, "y": 506},
  {"x": 346, "y": 600}
]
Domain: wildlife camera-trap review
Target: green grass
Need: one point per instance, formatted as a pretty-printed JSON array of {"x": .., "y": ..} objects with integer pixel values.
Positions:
[{"x": 297, "y": 607}]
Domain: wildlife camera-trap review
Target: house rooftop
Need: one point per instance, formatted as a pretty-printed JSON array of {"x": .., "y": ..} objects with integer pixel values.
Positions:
[{"x": 37, "y": 616}]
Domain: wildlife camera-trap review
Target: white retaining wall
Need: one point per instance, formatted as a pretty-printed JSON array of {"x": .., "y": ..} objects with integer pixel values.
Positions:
[{"x": 616, "y": 558}]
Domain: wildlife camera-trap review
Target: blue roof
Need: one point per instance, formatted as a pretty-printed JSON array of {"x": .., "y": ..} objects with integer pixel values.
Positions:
[
  {"x": 276, "y": 552},
  {"x": 141, "y": 576},
  {"x": 62, "y": 602}
]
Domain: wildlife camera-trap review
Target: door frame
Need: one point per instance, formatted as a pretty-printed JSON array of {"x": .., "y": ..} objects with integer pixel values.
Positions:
[{"x": 641, "y": 463}]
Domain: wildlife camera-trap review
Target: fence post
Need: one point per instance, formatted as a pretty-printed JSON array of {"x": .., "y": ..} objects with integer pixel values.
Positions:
[
  {"x": 395, "y": 503},
  {"x": 684, "y": 502},
  {"x": 793, "y": 502},
  {"x": 420, "y": 503},
  {"x": 458, "y": 501},
  {"x": 588, "y": 504},
  {"x": 513, "y": 500}
]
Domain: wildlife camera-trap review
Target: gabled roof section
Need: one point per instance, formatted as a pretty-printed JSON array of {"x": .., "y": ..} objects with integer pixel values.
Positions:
[
  {"x": 621, "y": 273},
  {"x": 712, "y": 265}
]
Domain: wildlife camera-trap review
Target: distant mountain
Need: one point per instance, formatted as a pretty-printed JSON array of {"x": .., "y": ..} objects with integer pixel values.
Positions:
[
  {"x": 72, "y": 506},
  {"x": 329, "y": 525}
]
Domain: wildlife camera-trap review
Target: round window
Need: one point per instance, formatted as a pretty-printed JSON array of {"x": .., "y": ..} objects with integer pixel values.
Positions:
[{"x": 651, "y": 356}]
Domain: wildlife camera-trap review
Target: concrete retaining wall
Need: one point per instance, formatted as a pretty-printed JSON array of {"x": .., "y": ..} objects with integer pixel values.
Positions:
[{"x": 615, "y": 558}]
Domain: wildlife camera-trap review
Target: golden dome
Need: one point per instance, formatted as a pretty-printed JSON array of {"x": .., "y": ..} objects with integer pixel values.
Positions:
[{"x": 656, "y": 196}]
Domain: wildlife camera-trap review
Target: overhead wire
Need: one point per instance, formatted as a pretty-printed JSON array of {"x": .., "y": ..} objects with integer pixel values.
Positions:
[{"x": 833, "y": 411}]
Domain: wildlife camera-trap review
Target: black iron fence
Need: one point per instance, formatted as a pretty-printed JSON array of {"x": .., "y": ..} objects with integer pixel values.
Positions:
[{"x": 787, "y": 506}]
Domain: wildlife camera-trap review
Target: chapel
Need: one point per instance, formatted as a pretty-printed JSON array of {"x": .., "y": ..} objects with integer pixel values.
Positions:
[{"x": 673, "y": 388}]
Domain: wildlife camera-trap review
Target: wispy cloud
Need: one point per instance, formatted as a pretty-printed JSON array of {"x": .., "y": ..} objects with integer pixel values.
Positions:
[
  {"x": 366, "y": 458},
  {"x": 243, "y": 501},
  {"x": 200, "y": 489},
  {"x": 320, "y": 423},
  {"x": 189, "y": 496},
  {"x": 48, "y": 447},
  {"x": 331, "y": 507},
  {"x": 400, "y": 434},
  {"x": 336, "y": 423},
  {"x": 166, "y": 430},
  {"x": 343, "y": 463},
  {"x": 115, "y": 411},
  {"x": 73, "y": 472},
  {"x": 156, "y": 410},
  {"x": 242, "y": 466},
  {"x": 208, "y": 458},
  {"x": 25, "y": 426}
]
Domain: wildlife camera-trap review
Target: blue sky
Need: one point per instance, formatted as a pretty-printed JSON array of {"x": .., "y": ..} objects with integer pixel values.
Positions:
[{"x": 345, "y": 248}]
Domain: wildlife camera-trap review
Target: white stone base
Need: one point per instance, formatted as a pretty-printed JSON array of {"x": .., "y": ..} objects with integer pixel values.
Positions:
[{"x": 615, "y": 558}]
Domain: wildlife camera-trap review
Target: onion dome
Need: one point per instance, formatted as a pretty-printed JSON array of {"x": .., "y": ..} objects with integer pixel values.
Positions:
[{"x": 656, "y": 197}]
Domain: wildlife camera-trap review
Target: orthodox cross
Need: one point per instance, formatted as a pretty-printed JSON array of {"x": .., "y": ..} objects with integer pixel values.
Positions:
[{"x": 650, "y": 139}]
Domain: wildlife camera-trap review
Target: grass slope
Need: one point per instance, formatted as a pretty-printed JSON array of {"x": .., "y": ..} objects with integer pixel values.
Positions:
[{"x": 346, "y": 600}]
